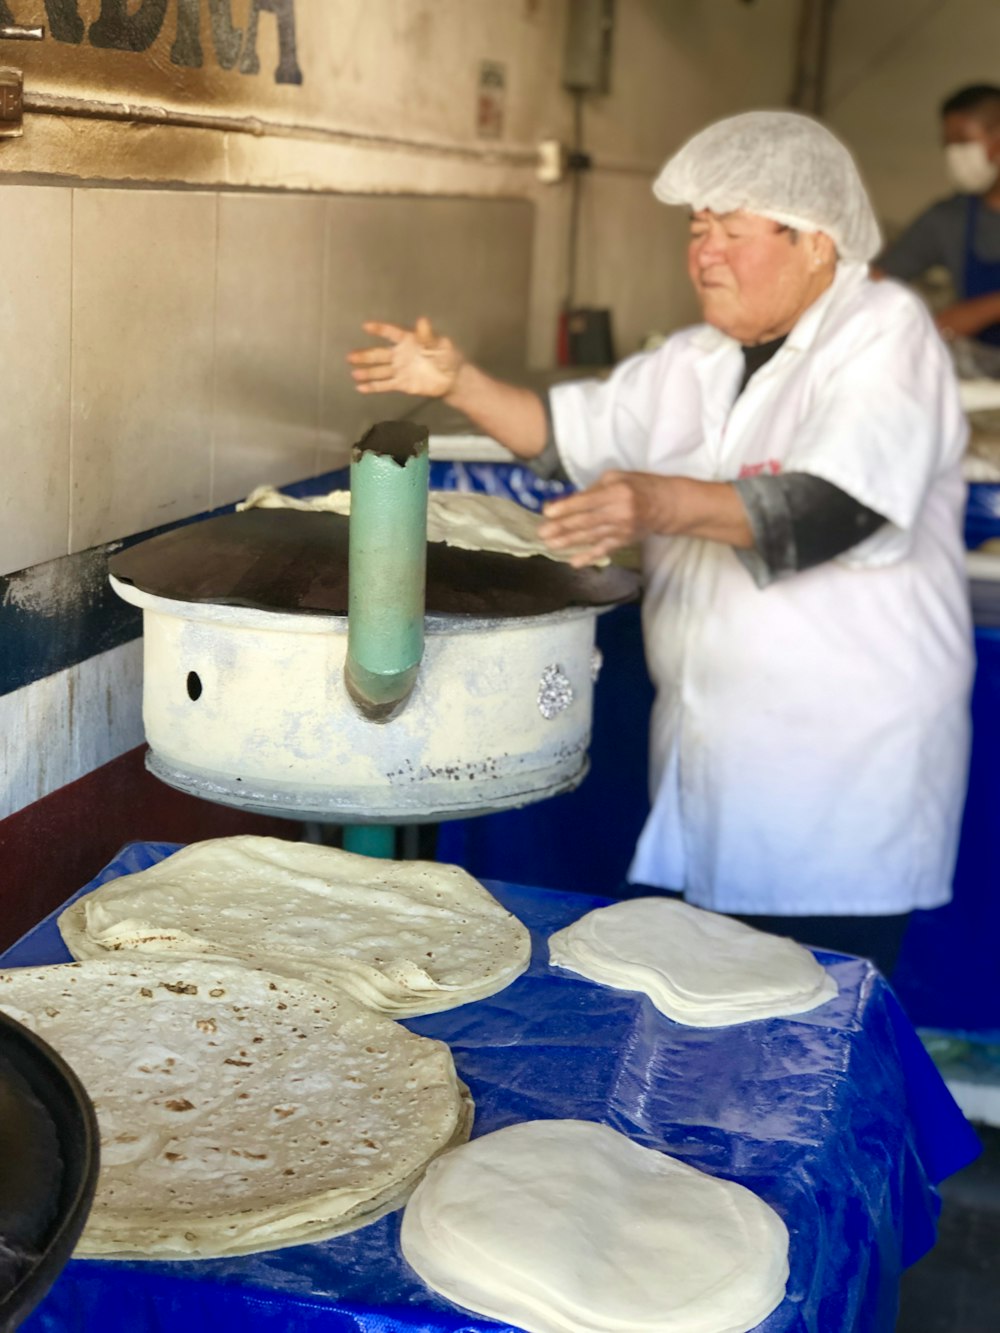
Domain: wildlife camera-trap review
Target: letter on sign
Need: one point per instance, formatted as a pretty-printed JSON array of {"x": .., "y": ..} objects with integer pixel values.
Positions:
[{"x": 118, "y": 30}]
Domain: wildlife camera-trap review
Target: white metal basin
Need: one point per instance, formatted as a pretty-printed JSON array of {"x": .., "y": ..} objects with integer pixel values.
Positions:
[{"x": 249, "y": 708}]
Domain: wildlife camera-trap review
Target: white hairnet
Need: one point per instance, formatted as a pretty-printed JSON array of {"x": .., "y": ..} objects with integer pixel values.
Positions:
[{"x": 779, "y": 165}]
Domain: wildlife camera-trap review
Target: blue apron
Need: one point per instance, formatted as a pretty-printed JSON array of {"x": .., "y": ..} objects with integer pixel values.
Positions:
[{"x": 980, "y": 277}]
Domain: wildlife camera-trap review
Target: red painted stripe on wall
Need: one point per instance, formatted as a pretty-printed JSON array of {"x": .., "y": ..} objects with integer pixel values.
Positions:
[{"x": 53, "y": 847}]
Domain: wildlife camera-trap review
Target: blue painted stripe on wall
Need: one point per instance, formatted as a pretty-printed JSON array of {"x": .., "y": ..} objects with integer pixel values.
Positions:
[
  {"x": 58, "y": 614},
  {"x": 55, "y": 615}
]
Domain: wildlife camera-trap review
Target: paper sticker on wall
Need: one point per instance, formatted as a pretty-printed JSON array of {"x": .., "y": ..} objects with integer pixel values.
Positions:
[{"x": 490, "y": 101}]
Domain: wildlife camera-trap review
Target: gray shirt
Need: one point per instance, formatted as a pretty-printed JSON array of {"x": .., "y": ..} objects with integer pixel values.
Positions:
[{"x": 937, "y": 236}]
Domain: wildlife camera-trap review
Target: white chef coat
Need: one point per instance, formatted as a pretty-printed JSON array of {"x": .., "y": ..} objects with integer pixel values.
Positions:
[{"x": 810, "y": 739}]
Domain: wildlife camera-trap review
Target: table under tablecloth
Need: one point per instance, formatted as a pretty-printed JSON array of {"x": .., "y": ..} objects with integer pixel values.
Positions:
[{"x": 837, "y": 1118}]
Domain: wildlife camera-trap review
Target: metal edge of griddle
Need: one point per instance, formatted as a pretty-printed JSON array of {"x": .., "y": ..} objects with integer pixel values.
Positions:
[
  {"x": 301, "y": 806},
  {"x": 323, "y": 622},
  {"x": 624, "y": 583},
  {"x": 434, "y": 621}
]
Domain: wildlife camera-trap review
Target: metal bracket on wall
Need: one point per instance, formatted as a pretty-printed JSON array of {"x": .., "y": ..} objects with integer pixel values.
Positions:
[{"x": 12, "y": 84}]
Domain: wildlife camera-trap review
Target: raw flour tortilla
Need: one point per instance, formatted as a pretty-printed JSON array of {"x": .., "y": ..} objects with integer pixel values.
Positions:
[
  {"x": 697, "y": 967},
  {"x": 564, "y": 1226},
  {"x": 400, "y": 937},
  {"x": 238, "y": 1111},
  {"x": 464, "y": 519}
]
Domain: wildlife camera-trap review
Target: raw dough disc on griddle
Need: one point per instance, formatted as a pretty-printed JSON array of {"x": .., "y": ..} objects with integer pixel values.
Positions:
[
  {"x": 238, "y": 1111},
  {"x": 401, "y": 937},
  {"x": 697, "y": 967},
  {"x": 565, "y": 1226},
  {"x": 465, "y": 519}
]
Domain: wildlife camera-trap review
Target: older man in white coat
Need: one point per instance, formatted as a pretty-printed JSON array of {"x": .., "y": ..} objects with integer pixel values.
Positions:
[{"x": 792, "y": 469}]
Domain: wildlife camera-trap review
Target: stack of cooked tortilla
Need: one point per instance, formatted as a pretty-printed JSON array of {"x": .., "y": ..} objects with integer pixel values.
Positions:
[
  {"x": 238, "y": 1110},
  {"x": 231, "y": 1022},
  {"x": 697, "y": 967},
  {"x": 400, "y": 937},
  {"x": 563, "y": 1226}
]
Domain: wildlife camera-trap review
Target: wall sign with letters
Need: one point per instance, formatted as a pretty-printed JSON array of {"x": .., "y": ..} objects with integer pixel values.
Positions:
[
  {"x": 352, "y": 95},
  {"x": 120, "y": 27}
]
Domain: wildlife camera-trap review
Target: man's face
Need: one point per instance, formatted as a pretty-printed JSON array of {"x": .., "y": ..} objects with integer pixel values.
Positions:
[
  {"x": 752, "y": 276},
  {"x": 967, "y": 127}
]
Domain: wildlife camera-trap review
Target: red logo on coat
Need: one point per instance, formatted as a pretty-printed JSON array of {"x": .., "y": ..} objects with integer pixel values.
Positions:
[{"x": 771, "y": 466}]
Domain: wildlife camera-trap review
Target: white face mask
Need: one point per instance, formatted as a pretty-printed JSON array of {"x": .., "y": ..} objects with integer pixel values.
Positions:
[{"x": 969, "y": 169}]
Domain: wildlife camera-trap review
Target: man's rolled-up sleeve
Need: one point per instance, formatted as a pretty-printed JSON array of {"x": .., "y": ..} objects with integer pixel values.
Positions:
[{"x": 799, "y": 521}]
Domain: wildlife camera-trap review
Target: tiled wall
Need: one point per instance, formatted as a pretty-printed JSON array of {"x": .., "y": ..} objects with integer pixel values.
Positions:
[{"x": 163, "y": 352}]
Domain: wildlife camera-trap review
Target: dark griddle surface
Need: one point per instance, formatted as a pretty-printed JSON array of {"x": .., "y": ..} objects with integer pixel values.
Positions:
[{"x": 289, "y": 560}]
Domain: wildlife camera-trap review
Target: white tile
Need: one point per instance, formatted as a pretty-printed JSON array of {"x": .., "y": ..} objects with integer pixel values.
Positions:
[
  {"x": 143, "y": 340},
  {"x": 64, "y": 726},
  {"x": 35, "y": 356},
  {"x": 269, "y": 312},
  {"x": 464, "y": 263}
]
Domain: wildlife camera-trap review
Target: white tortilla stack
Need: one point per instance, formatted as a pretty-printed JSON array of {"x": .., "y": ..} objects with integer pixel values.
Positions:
[
  {"x": 400, "y": 937},
  {"x": 563, "y": 1226},
  {"x": 697, "y": 967},
  {"x": 238, "y": 1110}
]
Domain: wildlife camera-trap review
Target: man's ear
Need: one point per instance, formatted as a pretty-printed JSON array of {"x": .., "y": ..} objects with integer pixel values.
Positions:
[{"x": 822, "y": 250}]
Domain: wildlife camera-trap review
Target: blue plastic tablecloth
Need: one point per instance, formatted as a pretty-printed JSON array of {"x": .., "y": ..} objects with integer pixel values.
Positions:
[
  {"x": 509, "y": 481},
  {"x": 947, "y": 975},
  {"x": 837, "y": 1118},
  {"x": 982, "y": 513}
]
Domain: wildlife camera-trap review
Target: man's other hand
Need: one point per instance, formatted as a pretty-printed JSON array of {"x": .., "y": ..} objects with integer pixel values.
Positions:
[{"x": 415, "y": 361}]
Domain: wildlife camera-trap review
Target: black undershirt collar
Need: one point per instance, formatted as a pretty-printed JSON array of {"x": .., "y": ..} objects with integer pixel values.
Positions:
[{"x": 757, "y": 356}]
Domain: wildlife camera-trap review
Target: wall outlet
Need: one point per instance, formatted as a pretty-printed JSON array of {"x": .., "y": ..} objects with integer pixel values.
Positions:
[{"x": 551, "y": 167}]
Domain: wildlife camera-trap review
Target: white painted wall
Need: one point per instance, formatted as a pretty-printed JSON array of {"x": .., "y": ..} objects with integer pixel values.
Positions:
[
  {"x": 892, "y": 63},
  {"x": 677, "y": 64}
]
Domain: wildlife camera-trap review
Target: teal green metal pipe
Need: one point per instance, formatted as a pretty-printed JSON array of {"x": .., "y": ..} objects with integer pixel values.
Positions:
[
  {"x": 370, "y": 840},
  {"x": 387, "y": 567}
]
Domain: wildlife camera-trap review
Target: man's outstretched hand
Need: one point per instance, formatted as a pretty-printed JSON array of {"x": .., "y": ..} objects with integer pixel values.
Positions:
[
  {"x": 619, "y": 509},
  {"x": 622, "y": 508},
  {"x": 415, "y": 361}
]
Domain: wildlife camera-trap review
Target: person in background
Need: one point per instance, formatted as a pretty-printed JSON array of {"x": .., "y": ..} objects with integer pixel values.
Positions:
[
  {"x": 791, "y": 467},
  {"x": 961, "y": 233}
]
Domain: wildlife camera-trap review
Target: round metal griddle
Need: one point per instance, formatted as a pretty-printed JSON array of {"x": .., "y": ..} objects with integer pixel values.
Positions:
[
  {"x": 49, "y": 1151},
  {"x": 245, "y": 702},
  {"x": 290, "y": 560}
]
